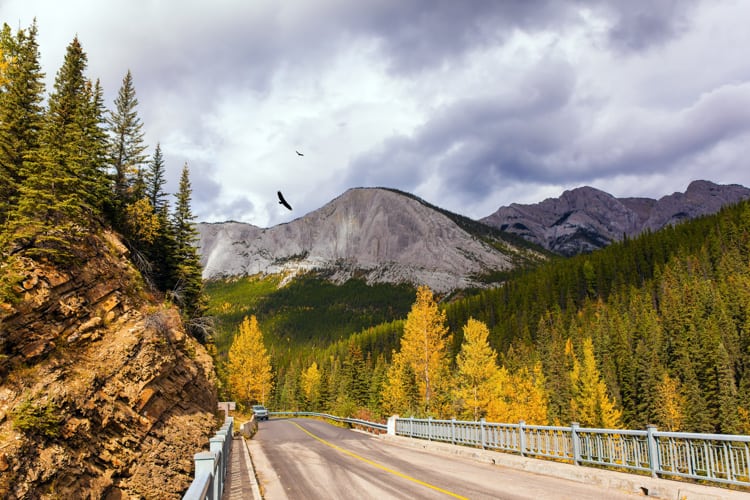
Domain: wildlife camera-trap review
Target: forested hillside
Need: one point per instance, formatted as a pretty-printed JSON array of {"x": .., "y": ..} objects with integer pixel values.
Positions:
[{"x": 649, "y": 330}]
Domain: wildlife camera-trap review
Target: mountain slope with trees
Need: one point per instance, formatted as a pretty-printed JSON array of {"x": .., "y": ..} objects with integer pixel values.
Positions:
[{"x": 652, "y": 329}]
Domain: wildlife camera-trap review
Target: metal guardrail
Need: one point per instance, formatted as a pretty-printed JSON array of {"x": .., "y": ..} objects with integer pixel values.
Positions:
[
  {"x": 351, "y": 421},
  {"x": 720, "y": 458},
  {"x": 211, "y": 466}
]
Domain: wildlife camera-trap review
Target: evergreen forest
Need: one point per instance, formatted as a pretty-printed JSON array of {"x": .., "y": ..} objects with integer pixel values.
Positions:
[{"x": 650, "y": 330}]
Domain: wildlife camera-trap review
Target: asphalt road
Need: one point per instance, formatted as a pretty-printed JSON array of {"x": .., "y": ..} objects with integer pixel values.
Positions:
[{"x": 311, "y": 459}]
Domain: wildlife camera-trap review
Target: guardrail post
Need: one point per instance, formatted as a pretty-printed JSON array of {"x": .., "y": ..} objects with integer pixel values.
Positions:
[
  {"x": 653, "y": 449},
  {"x": 204, "y": 463},
  {"x": 429, "y": 428},
  {"x": 481, "y": 431},
  {"x": 216, "y": 445},
  {"x": 453, "y": 431},
  {"x": 522, "y": 437},
  {"x": 391, "y": 429},
  {"x": 411, "y": 426},
  {"x": 576, "y": 443}
]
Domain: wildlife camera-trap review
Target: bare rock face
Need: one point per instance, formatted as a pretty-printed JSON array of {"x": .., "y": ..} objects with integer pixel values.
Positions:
[
  {"x": 586, "y": 219},
  {"x": 102, "y": 394},
  {"x": 380, "y": 234}
]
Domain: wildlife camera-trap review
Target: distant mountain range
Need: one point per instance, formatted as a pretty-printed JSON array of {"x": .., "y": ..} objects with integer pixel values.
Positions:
[
  {"x": 586, "y": 219},
  {"x": 384, "y": 235}
]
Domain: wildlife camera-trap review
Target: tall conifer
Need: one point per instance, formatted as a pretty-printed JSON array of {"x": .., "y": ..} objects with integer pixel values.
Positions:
[
  {"x": 126, "y": 143},
  {"x": 55, "y": 199},
  {"x": 21, "y": 110},
  {"x": 187, "y": 282}
]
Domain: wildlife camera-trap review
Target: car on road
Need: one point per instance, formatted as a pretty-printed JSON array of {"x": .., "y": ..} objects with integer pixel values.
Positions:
[{"x": 260, "y": 412}]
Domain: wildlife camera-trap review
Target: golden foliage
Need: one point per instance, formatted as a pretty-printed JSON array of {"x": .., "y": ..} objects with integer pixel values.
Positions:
[
  {"x": 142, "y": 222},
  {"x": 477, "y": 375},
  {"x": 310, "y": 381},
  {"x": 424, "y": 350},
  {"x": 590, "y": 405},
  {"x": 250, "y": 376},
  {"x": 670, "y": 411}
]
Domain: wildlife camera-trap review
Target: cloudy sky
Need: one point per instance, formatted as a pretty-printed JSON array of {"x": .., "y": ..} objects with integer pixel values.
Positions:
[{"x": 469, "y": 104}]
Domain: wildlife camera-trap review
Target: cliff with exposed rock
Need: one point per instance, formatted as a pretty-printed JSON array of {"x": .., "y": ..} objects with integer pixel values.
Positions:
[{"x": 102, "y": 393}]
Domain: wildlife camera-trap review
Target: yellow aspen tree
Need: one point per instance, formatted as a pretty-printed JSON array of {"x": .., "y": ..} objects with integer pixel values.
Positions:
[
  {"x": 529, "y": 395},
  {"x": 400, "y": 394},
  {"x": 424, "y": 348},
  {"x": 519, "y": 396},
  {"x": 476, "y": 377},
  {"x": 250, "y": 374},
  {"x": 669, "y": 412},
  {"x": 500, "y": 407},
  {"x": 590, "y": 404},
  {"x": 310, "y": 381}
]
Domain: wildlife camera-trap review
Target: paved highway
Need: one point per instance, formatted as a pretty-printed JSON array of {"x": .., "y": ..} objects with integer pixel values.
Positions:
[{"x": 310, "y": 459}]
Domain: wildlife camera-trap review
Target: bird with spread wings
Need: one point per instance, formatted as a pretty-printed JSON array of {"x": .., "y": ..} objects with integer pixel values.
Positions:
[{"x": 282, "y": 201}]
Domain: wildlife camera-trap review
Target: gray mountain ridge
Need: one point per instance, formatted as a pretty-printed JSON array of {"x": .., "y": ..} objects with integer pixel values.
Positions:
[
  {"x": 378, "y": 234},
  {"x": 386, "y": 236},
  {"x": 586, "y": 219}
]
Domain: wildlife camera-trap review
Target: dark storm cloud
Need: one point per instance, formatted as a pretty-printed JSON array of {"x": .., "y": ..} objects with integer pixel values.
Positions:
[
  {"x": 475, "y": 142},
  {"x": 640, "y": 24}
]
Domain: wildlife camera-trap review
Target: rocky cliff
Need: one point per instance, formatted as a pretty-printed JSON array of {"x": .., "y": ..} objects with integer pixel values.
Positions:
[
  {"x": 586, "y": 219},
  {"x": 102, "y": 394},
  {"x": 378, "y": 234}
]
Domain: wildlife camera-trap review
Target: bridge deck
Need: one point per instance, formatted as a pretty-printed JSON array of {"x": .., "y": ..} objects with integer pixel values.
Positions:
[{"x": 240, "y": 483}]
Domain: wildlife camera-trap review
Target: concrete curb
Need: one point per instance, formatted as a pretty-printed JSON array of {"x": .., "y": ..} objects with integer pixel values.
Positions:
[
  {"x": 251, "y": 471},
  {"x": 606, "y": 479}
]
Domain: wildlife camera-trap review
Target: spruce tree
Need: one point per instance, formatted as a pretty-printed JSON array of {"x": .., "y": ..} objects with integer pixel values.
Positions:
[
  {"x": 126, "y": 144},
  {"x": 162, "y": 247},
  {"x": 155, "y": 180},
  {"x": 187, "y": 282},
  {"x": 56, "y": 205},
  {"x": 21, "y": 110}
]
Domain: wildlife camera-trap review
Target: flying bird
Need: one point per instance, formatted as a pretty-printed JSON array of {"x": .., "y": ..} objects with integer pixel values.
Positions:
[
  {"x": 298, "y": 153},
  {"x": 282, "y": 201}
]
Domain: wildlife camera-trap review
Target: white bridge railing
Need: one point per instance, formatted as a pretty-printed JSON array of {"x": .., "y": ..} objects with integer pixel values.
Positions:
[
  {"x": 720, "y": 458},
  {"x": 211, "y": 466},
  {"x": 716, "y": 458}
]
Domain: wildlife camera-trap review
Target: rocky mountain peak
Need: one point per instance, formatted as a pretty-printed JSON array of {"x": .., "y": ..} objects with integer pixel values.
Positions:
[
  {"x": 585, "y": 219},
  {"x": 380, "y": 234}
]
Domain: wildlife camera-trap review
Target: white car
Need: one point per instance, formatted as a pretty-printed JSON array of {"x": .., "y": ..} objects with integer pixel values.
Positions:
[{"x": 260, "y": 411}]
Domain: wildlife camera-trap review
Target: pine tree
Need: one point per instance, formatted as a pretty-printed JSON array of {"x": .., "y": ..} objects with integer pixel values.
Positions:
[
  {"x": 477, "y": 373},
  {"x": 21, "y": 110},
  {"x": 354, "y": 376},
  {"x": 126, "y": 144},
  {"x": 250, "y": 375},
  {"x": 187, "y": 281}
]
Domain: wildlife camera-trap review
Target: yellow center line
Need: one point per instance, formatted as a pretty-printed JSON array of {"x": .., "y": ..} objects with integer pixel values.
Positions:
[{"x": 375, "y": 464}]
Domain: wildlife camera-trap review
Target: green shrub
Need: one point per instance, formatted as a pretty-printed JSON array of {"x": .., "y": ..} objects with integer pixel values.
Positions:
[{"x": 42, "y": 419}]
